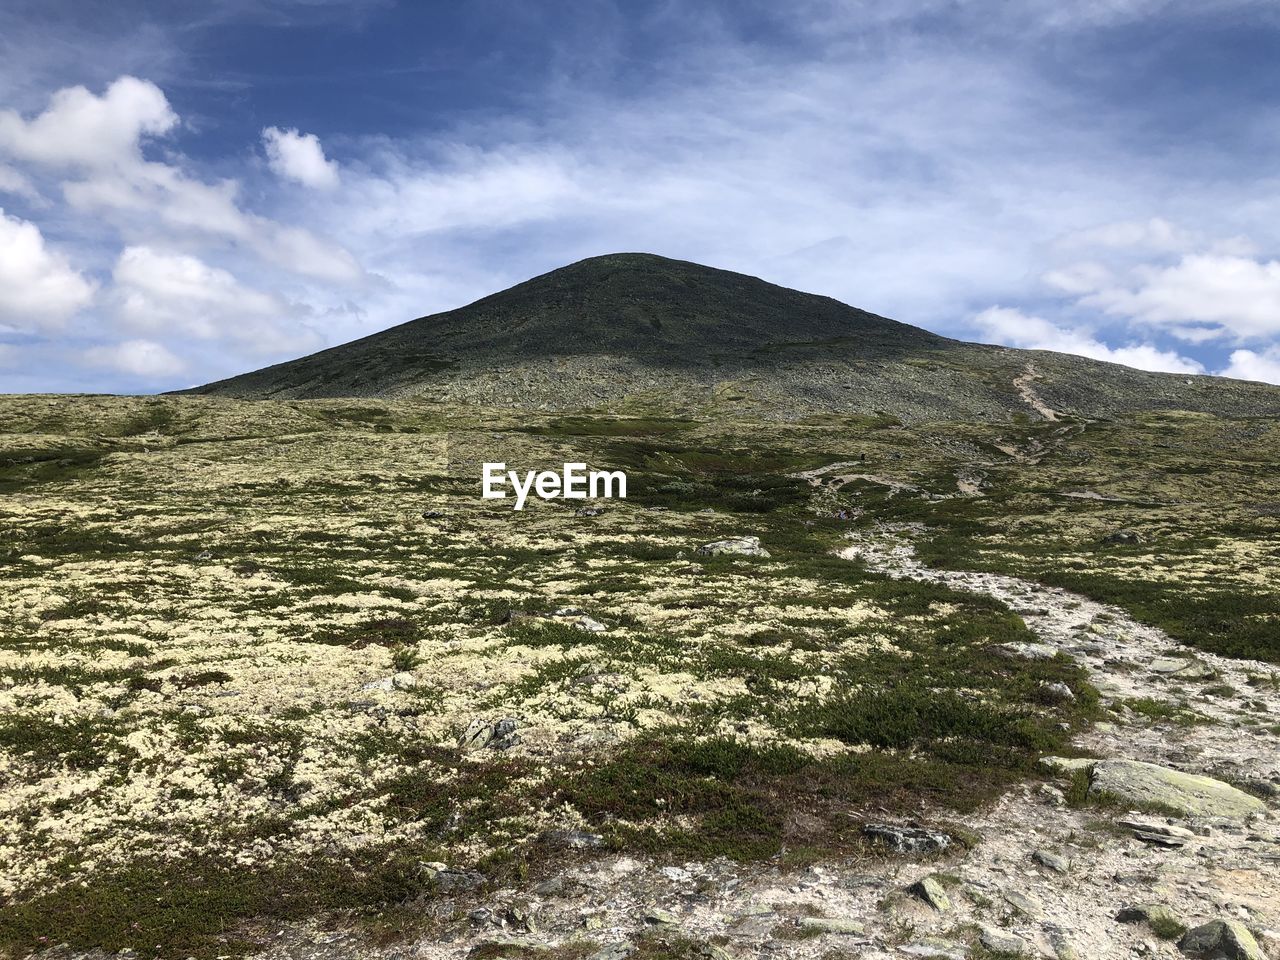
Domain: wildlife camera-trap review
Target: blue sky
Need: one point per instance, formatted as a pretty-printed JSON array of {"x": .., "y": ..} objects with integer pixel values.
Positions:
[{"x": 190, "y": 190}]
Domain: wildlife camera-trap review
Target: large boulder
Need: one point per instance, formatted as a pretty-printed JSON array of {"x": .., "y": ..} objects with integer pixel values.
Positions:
[
  {"x": 743, "y": 546},
  {"x": 1149, "y": 784},
  {"x": 1221, "y": 940}
]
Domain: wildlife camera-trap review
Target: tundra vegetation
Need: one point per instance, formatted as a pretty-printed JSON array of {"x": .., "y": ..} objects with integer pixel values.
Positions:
[{"x": 255, "y": 656}]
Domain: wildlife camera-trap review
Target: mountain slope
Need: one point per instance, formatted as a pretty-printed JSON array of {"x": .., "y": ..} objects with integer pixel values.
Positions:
[{"x": 638, "y": 330}]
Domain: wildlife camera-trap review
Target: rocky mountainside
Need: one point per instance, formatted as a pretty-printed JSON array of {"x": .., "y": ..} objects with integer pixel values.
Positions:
[{"x": 635, "y": 332}]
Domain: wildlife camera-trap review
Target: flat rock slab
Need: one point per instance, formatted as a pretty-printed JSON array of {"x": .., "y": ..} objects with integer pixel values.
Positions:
[
  {"x": 1191, "y": 794},
  {"x": 1138, "y": 782}
]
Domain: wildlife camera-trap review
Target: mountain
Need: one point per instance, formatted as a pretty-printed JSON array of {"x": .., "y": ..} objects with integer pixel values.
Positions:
[{"x": 638, "y": 331}]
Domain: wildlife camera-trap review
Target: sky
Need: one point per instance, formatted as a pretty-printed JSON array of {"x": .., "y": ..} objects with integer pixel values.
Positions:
[{"x": 192, "y": 190}]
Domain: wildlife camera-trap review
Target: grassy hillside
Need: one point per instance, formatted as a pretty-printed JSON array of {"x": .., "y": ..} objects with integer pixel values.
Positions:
[
  {"x": 239, "y": 643},
  {"x": 636, "y": 332}
]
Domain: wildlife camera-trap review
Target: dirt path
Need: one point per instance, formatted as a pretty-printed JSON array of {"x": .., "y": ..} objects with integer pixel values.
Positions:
[
  {"x": 1126, "y": 660},
  {"x": 1023, "y": 384}
]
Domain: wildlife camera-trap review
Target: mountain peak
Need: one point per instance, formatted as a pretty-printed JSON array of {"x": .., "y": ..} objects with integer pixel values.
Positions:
[{"x": 638, "y": 328}]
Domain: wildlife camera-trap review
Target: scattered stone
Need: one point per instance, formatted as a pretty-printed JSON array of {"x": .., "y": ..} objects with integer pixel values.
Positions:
[
  {"x": 1053, "y": 795},
  {"x": 1051, "y": 861},
  {"x": 575, "y": 839},
  {"x": 660, "y": 917},
  {"x": 744, "y": 546},
  {"x": 1059, "y": 690},
  {"x": 999, "y": 941},
  {"x": 931, "y": 892},
  {"x": 615, "y": 951},
  {"x": 550, "y": 888},
  {"x": 1156, "y": 832},
  {"x": 832, "y": 925},
  {"x": 1130, "y": 537},
  {"x": 1190, "y": 794},
  {"x": 432, "y": 514},
  {"x": 1221, "y": 940},
  {"x": 1181, "y": 668},
  {"x": 1152, "y": 914},
  {"x": 404, "y": 681},
  {"x": 1021, "y": 903},
  {"x": 496, "y": 735},
  {"x": 908, "y": 839},
  {"x": 936, "y": 949},
  {"x": 1028, "y": 651},
  {"x": 1059, "y": 942},
  {"x": 706, "y": 951},
  {"x": 579, "y": 619},
  {"x": 588, "y": 511},
  {"x": 454, "y": 881}
]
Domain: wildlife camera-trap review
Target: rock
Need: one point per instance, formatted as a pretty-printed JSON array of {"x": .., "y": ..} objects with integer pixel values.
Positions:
[
  {"x": 615, "y": 951},
  {"x": 580, "y": 619},
  {"x": 1052, "y": 861},
  {"x": 832, "y": 925},
  {"x": 908, "y": 839},
  {"x": 937, "y": 949},
  {"x": 1021, "y": 903},
  {"x": 1181, "y": 668},
  {"x": 496, "y": 735},
  {"x": 1149, "y": 825},
  {"x": 660, "y": 917},
  {"x": 706, "y": 951},
  {"x": 1152, "y": 914},
  {"x": 576, "y": 839},
  {"x": 999, "y": 941},
  {"x": 1189, "y": 794},
  {"x": 744, "y": 546},
  {"x": 1221, "y": 940},
  {"x": 931, "y": 892},
  {"x": 588, "y": 512},
  {"x": 456, "y": 881},
  {"x": 404, "y": 681},
  {"x": 1028, "y": 651},
  {"x": 550, "y": 888},
  {"x": 385, "y": 684},
  {"x": 1061, "y": 945},
  {"x": 432, "y": 514},
  {"x": 1130, "y": 537},
  {"x": 1059, "y": 690},
  {"x": 1067, "y": 765}
]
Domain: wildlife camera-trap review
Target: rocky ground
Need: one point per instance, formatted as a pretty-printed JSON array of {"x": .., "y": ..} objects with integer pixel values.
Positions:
[
  {"x": 274, "y": 681},
  {"x": 1160, "y": 857}
]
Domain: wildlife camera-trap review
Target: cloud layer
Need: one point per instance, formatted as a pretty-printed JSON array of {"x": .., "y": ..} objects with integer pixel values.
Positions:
[{"x": 986, "y": 178}]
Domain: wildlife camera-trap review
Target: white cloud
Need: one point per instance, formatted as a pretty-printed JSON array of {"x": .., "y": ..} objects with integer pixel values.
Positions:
[
  {"x": 165, "y": 293},
  {"x": 83, "y": 130},
  {"x": 140, "y": 358},
  {"x": 1238, "y": 297},
  {"x": 1155, "y": 233},
  {"x": 1017, "y": 329},
  {"x": 297, "y": 156},
  {"x": 39, "y": 289},
  {"x": 100, "y": 139},
  {"x": 15, "y": 182},
  {"x": 1255, "y": 365}
]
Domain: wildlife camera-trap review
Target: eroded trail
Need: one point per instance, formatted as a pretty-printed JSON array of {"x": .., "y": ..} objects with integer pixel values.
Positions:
[
  {"x": 1217, "y": 868},
  {"x": 1025, "y": 388},
  {"x": 1127, "y": 660}
]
